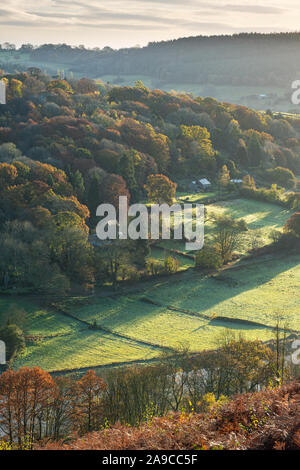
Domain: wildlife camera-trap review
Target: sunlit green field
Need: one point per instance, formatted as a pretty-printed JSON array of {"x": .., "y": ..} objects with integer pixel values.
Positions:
[
  {"x": 83, "y": 349},
  {"x": 33, "y": 319},
  {"x": 258, "y": 292},
  {"x": 195, "y": 197},
  {"x": 262, "y": 219}
]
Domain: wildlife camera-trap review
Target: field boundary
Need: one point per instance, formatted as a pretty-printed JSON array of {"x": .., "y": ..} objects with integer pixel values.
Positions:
[
  {"x": 217, "y": 318},
  {"x": 93, "y": 327}
]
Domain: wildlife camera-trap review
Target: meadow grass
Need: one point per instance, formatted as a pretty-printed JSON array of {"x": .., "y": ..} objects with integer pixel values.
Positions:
[
  {"x": 34, "y": 320},
  {"x": 262, "y": 219},
  {"x": 259, "y": 291},
  {"x": 82, "y": 349}
]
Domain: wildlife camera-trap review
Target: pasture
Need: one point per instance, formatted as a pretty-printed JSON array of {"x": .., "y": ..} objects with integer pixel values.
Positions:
[
  {"x": 262, "y": 219},
  {"x": 184, "y": 312}
]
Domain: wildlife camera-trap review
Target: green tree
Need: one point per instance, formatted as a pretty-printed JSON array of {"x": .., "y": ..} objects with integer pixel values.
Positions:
[
  {"x": 77, "y": 182},
  {"x": 282, "y": 176},
  {"x": 227, "y": 232},
  {"x": 127, "y": 171},
  {"x": 255, "y": 150},
  {"x": 14, "y": 340}
]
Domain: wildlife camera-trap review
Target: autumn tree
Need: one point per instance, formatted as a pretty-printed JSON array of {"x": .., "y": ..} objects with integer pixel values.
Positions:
[
  {"x": 112, "y": 187},
  {"x": 8, "y": 174},
  {"x": 223, "y": 181},
  {"x": 89, "y": 391},
  {"x": 249, "y": 182},
  {"x": 293, "y": 225},
  {"x": 24, "y": 397},
  {"x": 160, "y": 189}
]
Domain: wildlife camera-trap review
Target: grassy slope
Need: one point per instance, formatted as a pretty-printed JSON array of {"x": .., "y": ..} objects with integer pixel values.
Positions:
[
  {"x": 255, "y": 292},
  {"x": 82, "y": 349},
  {"x": 262, "y": 219}
]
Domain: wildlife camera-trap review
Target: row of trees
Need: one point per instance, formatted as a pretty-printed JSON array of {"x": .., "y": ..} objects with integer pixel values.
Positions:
[{"x": 34, "y": 405}]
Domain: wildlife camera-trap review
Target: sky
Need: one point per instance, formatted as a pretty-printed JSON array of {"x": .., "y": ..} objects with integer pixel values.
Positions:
[{"x": 126, "y": 23}]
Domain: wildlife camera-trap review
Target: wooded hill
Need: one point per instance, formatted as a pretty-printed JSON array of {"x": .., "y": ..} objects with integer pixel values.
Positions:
[
  {"x": 68, "y": 146},
  {"x": 248, "y": 59}
]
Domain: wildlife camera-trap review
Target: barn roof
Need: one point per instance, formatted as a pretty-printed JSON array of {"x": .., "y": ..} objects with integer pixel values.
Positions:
[{"x": 204, "y": 181}]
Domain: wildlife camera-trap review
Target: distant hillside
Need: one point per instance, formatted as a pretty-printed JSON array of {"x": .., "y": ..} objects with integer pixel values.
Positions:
[
  {"x": 263, "y": 66},
  {"x": 243, "y": 59}
]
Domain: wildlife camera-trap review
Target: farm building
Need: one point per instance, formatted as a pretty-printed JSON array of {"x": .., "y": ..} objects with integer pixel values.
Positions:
[
  {"x": 194, "y": 186},
  {"x": 200, "y": 185},
  {"x": 204, "y": 184},
  {"x": 2, "y": 92},
  {"x": 236, "y": 181}
]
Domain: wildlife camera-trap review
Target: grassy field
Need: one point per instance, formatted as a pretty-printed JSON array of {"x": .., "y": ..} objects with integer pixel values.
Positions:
[
  {"x": 257, "y": 291},
  {"x": 262, "y": 219},
  {"x": 195, "y": 197},
  {"x": 33, "y": 319},
  {"x": 83, "y": 349}
]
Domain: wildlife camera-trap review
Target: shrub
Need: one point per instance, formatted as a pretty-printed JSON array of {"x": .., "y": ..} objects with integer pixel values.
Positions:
[
  {"x": 14, "y": 339},
  {"x": 208, "y": 258},
  {"x": 171, "y": 265},
  {"x": 154, "y": 266},
  {"x": 269, "y": 195},
  {"x": 282, "y": 176},
  {"x": 168, "y": 266},
  {"x": 293, "y": 225}
]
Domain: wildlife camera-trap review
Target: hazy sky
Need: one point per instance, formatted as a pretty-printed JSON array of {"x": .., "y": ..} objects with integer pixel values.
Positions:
[{"x": 122, "y": 23}]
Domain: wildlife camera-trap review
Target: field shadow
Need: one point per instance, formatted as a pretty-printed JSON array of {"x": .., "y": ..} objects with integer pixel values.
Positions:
[
  {"x": 208, "y": 293},
  {"x": 192, "y": 293}
]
